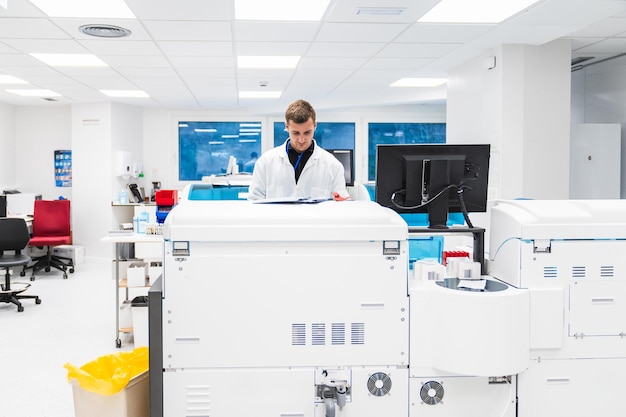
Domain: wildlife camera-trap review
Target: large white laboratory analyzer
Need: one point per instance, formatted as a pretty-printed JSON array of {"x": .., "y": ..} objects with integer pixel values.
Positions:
[
  {"x": 307, "y": 310},
  {"x": 570, "y": 255},
  {"x": 285, "y": 310}
]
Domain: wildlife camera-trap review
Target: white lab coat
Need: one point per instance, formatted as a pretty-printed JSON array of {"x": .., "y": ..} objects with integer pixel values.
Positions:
[{"x": 273, "y": 176}]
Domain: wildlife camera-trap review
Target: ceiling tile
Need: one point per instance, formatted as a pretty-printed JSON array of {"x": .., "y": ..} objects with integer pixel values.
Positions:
[
  {"x": 608, "y": 46},
  {"x": 182, "y": 9},
  {"x": 162, "y": 30},
  {"x": 247, "y": 31},
  {"x": 196, "y": 48},
  {"x": 12, "y": 28},
  {"x": 271, "y": 48},
  {"x": 359, "y": 32}
]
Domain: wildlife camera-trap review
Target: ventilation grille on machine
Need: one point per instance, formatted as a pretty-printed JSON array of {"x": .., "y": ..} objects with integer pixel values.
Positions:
[
  {"x": 379, "y": 384},
  {"x": 579, "y": 272},
  {"x": 298, "y": 334},
  {"x": 358, "y": 333},
  {"x": 198, "y": 400},
  {"x": 338, "y": 336},
  {"x": 318, "y": 334},
  {"x": 319, "y": 337},
  {"x": 607, "y": 271},
  {"x": 431, "y": 393},
  {"x": 549, "y": 271}
]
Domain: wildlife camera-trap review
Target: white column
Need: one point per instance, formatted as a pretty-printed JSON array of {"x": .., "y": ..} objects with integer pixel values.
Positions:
[{"x": 521, "y": 106}]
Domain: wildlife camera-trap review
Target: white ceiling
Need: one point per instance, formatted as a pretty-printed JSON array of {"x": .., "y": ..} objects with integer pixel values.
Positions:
[{"x": 183, "y": 53}]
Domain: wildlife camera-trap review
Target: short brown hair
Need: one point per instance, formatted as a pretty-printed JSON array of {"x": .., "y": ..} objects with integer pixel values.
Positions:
[{"x": 299, "y": 112}]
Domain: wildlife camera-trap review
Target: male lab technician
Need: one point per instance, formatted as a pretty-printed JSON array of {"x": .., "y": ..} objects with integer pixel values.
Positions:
[{"x": 299, "y": 167}]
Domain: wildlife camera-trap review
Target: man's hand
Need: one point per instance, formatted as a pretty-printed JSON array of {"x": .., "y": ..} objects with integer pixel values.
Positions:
[{"x": 338, "y": 197}]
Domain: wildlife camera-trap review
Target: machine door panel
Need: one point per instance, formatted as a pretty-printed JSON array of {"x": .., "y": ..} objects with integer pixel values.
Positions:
[
  {"x": 576, "y": 387},
  {"x": 598, "y": 308},
  {"x": 239, "y": 393},
  {"x": 284, "y": 305},
  {"x": 463, "y": 396}
]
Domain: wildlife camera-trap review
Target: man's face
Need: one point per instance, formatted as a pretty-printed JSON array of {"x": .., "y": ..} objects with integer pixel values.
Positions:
[{"x": 300, "y": 134}]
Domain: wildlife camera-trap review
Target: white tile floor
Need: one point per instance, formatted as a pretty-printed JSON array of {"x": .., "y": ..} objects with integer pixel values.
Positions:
[{"x": 75, "y": 323}]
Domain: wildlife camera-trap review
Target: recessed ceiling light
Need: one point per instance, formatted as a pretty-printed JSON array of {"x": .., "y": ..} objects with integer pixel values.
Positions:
[
  {"x": 70, "y": 60},
  {"x": 125, "y": 93},
  {"x": 260, "y": 94},
  {"x": 477, "y": 11},
  {"x": 419, "y": 82},
  {"x": 34, "y": 93},
  {"x": 104, "y": 31},
  {"x": 9, "y": 79},
  {"x": 267, "y": 61},
  {"x": 310, "y": 10},
  {"x": 110, "y": 9}
]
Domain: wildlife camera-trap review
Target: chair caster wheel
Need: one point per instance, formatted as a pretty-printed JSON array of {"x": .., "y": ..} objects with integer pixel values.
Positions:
[
  {"x": 32, "y": 278},
  {"x": 37, "y": 300},
  {"x": 20, "y": 309},
  {"x": 22, "y": 273},
  {"x": 47, "y": 269},
  {"x": 64, "y": 275},
  {"x": 71, "y": 270},
  {"x": 118, "y": 343}
]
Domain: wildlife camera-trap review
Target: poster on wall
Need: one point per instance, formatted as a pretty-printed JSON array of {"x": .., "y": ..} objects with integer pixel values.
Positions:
[{"x": 63, "y": 168}]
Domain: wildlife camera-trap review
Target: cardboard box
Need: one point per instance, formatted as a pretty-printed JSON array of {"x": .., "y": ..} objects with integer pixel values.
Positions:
[
  {"x": 132, "y": 401},
  {"x": 136, "y": 274},
  {"x": 73, "y": 252}
]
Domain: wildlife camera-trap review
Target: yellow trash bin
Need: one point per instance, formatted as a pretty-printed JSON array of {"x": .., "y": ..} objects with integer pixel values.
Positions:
[{"x": 112, "y": 385}]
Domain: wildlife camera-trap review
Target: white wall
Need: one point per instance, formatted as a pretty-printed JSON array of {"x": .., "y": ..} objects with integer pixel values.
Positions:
[
  {"x": 601, "y": 98},
  {"x": 521, "y": 107},
  {"x": 98, "y": 132},
  {"x": 8, "y": 174},
  {"x": 91, "y": 149},
  {"x": 39, "y": 132},
  {"x": 595, "y": 161}
]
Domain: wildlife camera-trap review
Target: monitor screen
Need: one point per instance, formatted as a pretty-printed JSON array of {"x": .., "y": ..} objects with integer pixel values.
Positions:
[
  {"x": 433, "y": 178},
  {"x": 346, "y": 157}
]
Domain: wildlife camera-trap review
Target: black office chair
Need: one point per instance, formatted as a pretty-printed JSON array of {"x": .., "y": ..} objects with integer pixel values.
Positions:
[{"x": 14, "y": 238}]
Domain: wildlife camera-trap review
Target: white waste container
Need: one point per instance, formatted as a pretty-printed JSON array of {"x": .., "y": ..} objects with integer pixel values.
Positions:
[{"x": 139, "y": 307}]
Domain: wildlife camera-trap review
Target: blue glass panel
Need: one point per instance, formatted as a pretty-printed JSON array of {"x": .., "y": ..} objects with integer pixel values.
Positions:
[
  {"x": 205, "y": 147},
  {"x": 400, "y": 133},
  {"x": 209, "y": 192},
  {"x": 329, "y": 135}
]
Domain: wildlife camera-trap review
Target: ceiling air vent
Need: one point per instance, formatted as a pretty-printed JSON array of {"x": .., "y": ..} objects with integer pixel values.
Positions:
[{"x": 104, "y": 31}]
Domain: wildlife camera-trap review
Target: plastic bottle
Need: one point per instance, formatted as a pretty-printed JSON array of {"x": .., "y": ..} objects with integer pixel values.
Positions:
[
  {"x": 143, "y": 221},
  {"x": 123, "y": 197},
  {"x": 136, "y": 224}
]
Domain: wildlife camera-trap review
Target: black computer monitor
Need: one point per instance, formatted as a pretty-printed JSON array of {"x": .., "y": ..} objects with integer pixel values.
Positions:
[
  {"x": 346, "y": 157},
  {"x": 434, "y": 179}
]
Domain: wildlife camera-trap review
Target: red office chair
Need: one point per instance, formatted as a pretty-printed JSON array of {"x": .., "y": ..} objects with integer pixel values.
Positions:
[{"x": 51, "y": 227}]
